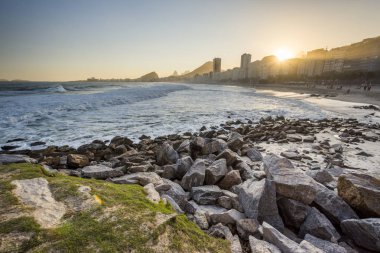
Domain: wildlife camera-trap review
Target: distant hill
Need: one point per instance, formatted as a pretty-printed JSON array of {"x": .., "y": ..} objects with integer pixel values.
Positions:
[
  {"x": 204, "y": 68},
  {"x": 150, "y": 77}
]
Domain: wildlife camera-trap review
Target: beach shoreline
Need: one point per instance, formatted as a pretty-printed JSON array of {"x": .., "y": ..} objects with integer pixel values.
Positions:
[{"x": 355, "y": 95}]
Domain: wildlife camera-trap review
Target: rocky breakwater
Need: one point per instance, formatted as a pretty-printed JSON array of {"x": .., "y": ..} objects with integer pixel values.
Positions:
[{"x": 277, "y": 185}]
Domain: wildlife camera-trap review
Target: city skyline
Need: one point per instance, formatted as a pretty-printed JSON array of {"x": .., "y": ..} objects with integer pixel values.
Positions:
[{"x": 52, "y": 41}]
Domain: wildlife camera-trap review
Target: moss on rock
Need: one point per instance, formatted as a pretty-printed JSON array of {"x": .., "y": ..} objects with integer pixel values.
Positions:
[{"x": 123, "y": 219}]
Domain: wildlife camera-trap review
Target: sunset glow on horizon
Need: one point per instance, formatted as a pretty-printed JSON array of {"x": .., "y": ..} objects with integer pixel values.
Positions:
[{"x": 284, "y": 54}]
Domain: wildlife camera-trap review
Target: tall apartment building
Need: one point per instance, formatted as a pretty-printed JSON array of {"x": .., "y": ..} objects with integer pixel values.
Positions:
[
  {"x": 313, "y": 64},
  {"x": 217, "y": 65},
  {"x": 245, "y": 60}
]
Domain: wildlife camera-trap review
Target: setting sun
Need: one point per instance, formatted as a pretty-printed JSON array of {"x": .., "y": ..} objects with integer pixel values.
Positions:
[{"x": 284, "y": 54}]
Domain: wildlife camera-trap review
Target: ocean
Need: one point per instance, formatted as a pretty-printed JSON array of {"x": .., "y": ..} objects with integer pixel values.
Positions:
[{"x": 75, "y": 113}]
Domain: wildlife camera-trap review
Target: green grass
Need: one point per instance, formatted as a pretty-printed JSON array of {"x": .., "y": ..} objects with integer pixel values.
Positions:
[{"x": 125, "y": 220}]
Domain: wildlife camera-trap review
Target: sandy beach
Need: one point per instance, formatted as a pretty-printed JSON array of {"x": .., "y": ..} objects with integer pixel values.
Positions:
[{"x": 355, "y": 95}]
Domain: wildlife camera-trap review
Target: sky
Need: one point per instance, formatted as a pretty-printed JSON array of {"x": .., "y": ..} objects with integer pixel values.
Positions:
[{"x": 61, "y": 40}]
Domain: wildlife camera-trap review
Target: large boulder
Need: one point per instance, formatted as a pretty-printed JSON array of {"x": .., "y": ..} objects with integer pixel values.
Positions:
[
  {"x": 206, "y": 195},
  {"x": 254, "y": 155},
  {"x": 365, "y": 232},
  {"x": 235, "y": 141},
  {"x": 290, "y": 182},
  {"x": 259, "y": 246},
  {"x": 100, "y": 172},
  {"x": 165, "y": 154},
  {"x": 183, "y": 166},
  {"x": 245, "y": 171},
  {"x": 230, "y": 179},
  {"x": 258, "y": 199},
  {"x": 184, "y": 147},
  {"x": 324, "y": 245},
  {"x": 230, "y": 200},
  {"x": 361, "y": 192},
  {"x": 236, "y": 245},
  {"x": 226, "y": 217},
  {"x": 248, "y": 227},
  {"x": 142, "y": 178},
  {"x": 6, "y": 159},
  {"x": 216, "y": 171},
  {"x": 230, "y": 156},
  {"x": 215, "y": 146},
  {"x": 119, "y": 140},
  {"x": 77, "y": 161},
  {"x": 275, "y": 237},
  {"x": 293, "y": 212},
  {"x": 151, "y": 193},
  {"x": 195, "y": 176},
  {"x": 335, "y": 208},
  {"x": 318, "y": 225}
]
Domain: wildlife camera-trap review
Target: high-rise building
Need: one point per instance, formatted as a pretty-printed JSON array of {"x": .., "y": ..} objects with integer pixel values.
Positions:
[
  {"x": 244, "y": 64},
  {"x": 217, "y": 65}
]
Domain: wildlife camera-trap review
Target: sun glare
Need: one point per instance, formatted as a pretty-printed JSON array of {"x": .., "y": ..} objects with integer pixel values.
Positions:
[{"x": 284, "y": 54}]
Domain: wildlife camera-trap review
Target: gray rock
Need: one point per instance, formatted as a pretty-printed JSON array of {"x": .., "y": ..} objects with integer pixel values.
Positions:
[
  {"x": 195, "y": 176},
  {"x": 335, "y": 208},
  {"x": 365, "y": 232},
  {"x": 321, "y": 176},
  {"x": 254, "y": 155},
  {"x": 308, "y": 139},
  {"x": 291, "y": 155},
  {"x": 173, "y": 203},
  {"x": 293, "y": 212},
  {"x": 230, "y": 200},
  {"x": 225, "y": 202},
  {"x": 220, "y": 231},
  {"x": 206, "y": 195},
  {"x": 216, "y": 171},
  {"x": 361, "y": 192},
  {"x": 6, "y": 159},
  {"x": 152, "y": 194},
  {"x": 318, "y": 225},
  {"x": 176, "y": 192},
  {"x": 169, "y": 171},
  {"x": 290, "y": 182},
  {"x": 201, "y": 220},
  {"x": 294, "y": 137},
  {"x": 247, "y": 227},
  {"x": 214, "y": 147},
  {"x": 230, "y": 179},
  {"x": 165, "y": 154},
  {"x": 77, "y": 161},
  {"x": 235, "y": 141},
  {"x": 272, "y": 235},
  {"x": 183, "y": 166},
  {"x": 230, "y": 156},
  {"x": 324, "y": 245},
  {"x": 226, "y": 217},
  {"x": 143, "y": 178},
  {"x": 198, "y": 143},
  {"x": 245, "y": 171},
  {"x": 259, "y": 246},
  {"x": 236, "y": 245},
  {"x": 258, "y": 199},
  {"x": 100, "y": 172},
  {"x": 307, "y": 247},
  {"x": 140, "y": 168},
  {"x": 184, "y": 147}
]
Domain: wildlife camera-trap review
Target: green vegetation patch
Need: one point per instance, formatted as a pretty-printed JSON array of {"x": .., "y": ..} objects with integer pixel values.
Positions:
[{"x": 123, "y": 220}]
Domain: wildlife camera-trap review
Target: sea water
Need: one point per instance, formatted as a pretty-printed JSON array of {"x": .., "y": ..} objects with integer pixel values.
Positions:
[{"x": 76, "y": 113}]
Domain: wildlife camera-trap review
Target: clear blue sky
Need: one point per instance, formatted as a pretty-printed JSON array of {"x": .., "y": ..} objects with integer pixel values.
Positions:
[{"x": 76, "y": 39}]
